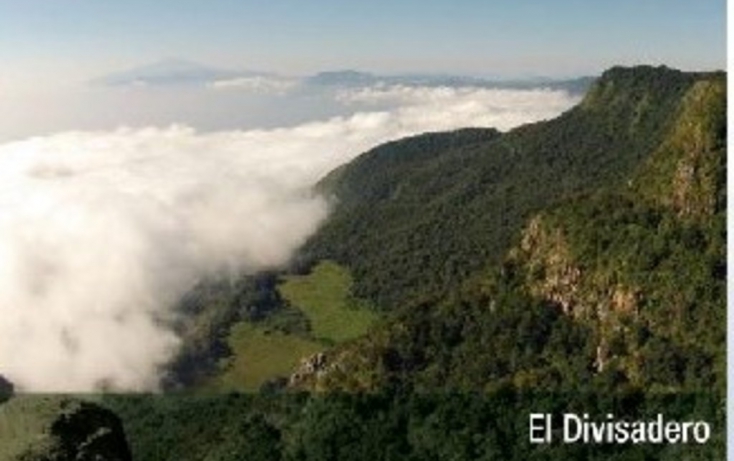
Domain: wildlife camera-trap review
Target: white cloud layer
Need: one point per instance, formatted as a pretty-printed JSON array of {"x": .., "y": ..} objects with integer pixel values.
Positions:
[
  {"x": 256, "y": 84},
  {"x": 499, "y": 108},
  {"x": 102, "y": 232}
]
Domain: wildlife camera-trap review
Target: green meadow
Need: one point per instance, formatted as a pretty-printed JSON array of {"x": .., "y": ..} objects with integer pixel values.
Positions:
[
  {"x": 324, "y": 297},
  {"x": 259, "y": 355},
  {"x": 262, "y": 353}
]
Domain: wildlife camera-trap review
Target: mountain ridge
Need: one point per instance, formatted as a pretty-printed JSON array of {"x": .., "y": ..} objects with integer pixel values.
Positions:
[
  {"x": 178, "y": 71},
  {"x": 661, "y": 117},
  {"x": 490, "y": 185}
]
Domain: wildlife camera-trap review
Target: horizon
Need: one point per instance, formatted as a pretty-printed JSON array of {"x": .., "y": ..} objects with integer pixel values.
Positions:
[
  {"x": 52, "y": 51},
  {"x": 71, "y": 40},
  {"x": 484, "y": 77}
]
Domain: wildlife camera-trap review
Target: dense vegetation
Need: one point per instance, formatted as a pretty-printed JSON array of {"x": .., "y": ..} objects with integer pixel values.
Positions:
[
  {"x": 617, "y": 287},
  {"x": 417, "y": 216},
  {"x": 574, "y": 265},
  {"x": 389, "y": 426}
]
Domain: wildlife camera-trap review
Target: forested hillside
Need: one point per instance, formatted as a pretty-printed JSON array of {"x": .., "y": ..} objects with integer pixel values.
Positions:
[
  {"x": 612, "y": 270},
  {"x": 415, "y": 217}
]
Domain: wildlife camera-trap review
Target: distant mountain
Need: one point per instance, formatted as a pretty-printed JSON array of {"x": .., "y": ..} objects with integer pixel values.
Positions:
[
  {"x": 175, "y": 71},
  {"x": 172, "y": 72},
  {"x": 342, "y": 78}
]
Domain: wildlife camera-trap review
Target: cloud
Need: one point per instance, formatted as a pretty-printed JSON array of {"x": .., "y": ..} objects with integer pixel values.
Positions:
[
  {"x": 499, "y": 108},
  {"x": 102, "y": 232},
  {"x": 256, "y": 84}
]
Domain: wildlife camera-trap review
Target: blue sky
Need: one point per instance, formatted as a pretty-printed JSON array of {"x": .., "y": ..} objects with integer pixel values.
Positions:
[{"x": 517, "y": 37}]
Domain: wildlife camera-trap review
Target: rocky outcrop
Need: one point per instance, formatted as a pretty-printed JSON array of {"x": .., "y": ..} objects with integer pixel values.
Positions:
[
  {"x": 310, "y": 368},
  {"x": 353, "y": 366},
  {"x": 584, "y": 293},
  {"x": 551, "y": 272}
]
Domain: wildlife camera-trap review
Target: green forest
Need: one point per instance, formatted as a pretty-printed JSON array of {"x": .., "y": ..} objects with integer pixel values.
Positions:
[{"x": 463, "y": 281}]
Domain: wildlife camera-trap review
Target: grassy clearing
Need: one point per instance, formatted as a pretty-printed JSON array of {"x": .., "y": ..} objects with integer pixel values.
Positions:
[
  {"x": 265, "y": 351},
  {"x": 259, "y": 355},
  {"x": 324, "y": 297}
]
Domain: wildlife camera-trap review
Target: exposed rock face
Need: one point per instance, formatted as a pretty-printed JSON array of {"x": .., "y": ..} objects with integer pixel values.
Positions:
[
  {"x": 312, "y": 367},
  {"x": 553, "y": 274},
  {"x": 347, "y": 368},
  {"x": 691, "y": 186}
]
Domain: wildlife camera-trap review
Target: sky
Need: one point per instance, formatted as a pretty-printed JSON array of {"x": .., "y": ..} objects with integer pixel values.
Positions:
[{"x": 72, "y": 39}]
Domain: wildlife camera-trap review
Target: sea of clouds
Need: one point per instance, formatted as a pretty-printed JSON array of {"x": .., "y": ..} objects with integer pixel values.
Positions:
[{"x": 102, "y": 232}]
